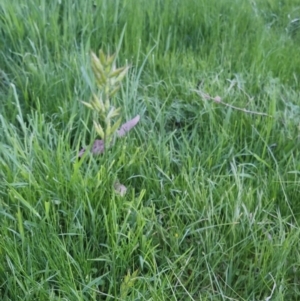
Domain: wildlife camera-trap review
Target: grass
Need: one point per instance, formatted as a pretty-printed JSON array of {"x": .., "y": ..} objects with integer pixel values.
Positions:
[{"x": 211, "y": 211}]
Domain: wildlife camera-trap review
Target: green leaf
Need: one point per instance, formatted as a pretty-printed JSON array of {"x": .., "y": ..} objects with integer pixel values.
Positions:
[
  {"x": 116, "y": 125},
  {"x": 14, "y": 194},
  {"x": 107, "y": 104},
  {"x": 108, "y": 128}
]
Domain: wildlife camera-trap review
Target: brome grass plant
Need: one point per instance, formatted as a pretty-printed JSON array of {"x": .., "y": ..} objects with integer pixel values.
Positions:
[{"x": 212, "y": 169}]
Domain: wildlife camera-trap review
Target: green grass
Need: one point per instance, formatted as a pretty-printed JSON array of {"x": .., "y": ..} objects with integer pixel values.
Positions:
[{"x": 212, "y": 209}]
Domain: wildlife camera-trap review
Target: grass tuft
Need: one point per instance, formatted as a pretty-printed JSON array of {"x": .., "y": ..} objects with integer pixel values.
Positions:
[{"x": 211, "y": 210}]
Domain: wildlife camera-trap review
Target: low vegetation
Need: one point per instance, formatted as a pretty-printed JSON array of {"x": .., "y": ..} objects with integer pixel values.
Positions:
[{"x": 199, "y": 201}]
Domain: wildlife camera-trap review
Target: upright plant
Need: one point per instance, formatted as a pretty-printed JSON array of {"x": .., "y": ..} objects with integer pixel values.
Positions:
[{"x": 108, "y": 80}]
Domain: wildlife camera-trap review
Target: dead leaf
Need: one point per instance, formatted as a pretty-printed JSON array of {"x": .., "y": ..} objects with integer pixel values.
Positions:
[
  {"x": 98, "y": 147},
  {"x": 217, "y": 98},
  {"x": 120, "y": 189},
  {"x": 126, "y": 127}
]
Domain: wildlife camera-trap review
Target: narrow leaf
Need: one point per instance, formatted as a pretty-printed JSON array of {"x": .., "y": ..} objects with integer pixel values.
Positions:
[
  {"x": 107, "y": 128},
  {"x": 116, "y": 125}
]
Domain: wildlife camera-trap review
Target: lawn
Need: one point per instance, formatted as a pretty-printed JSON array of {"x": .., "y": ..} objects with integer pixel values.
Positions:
[{"x": 212, "y": 168}]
